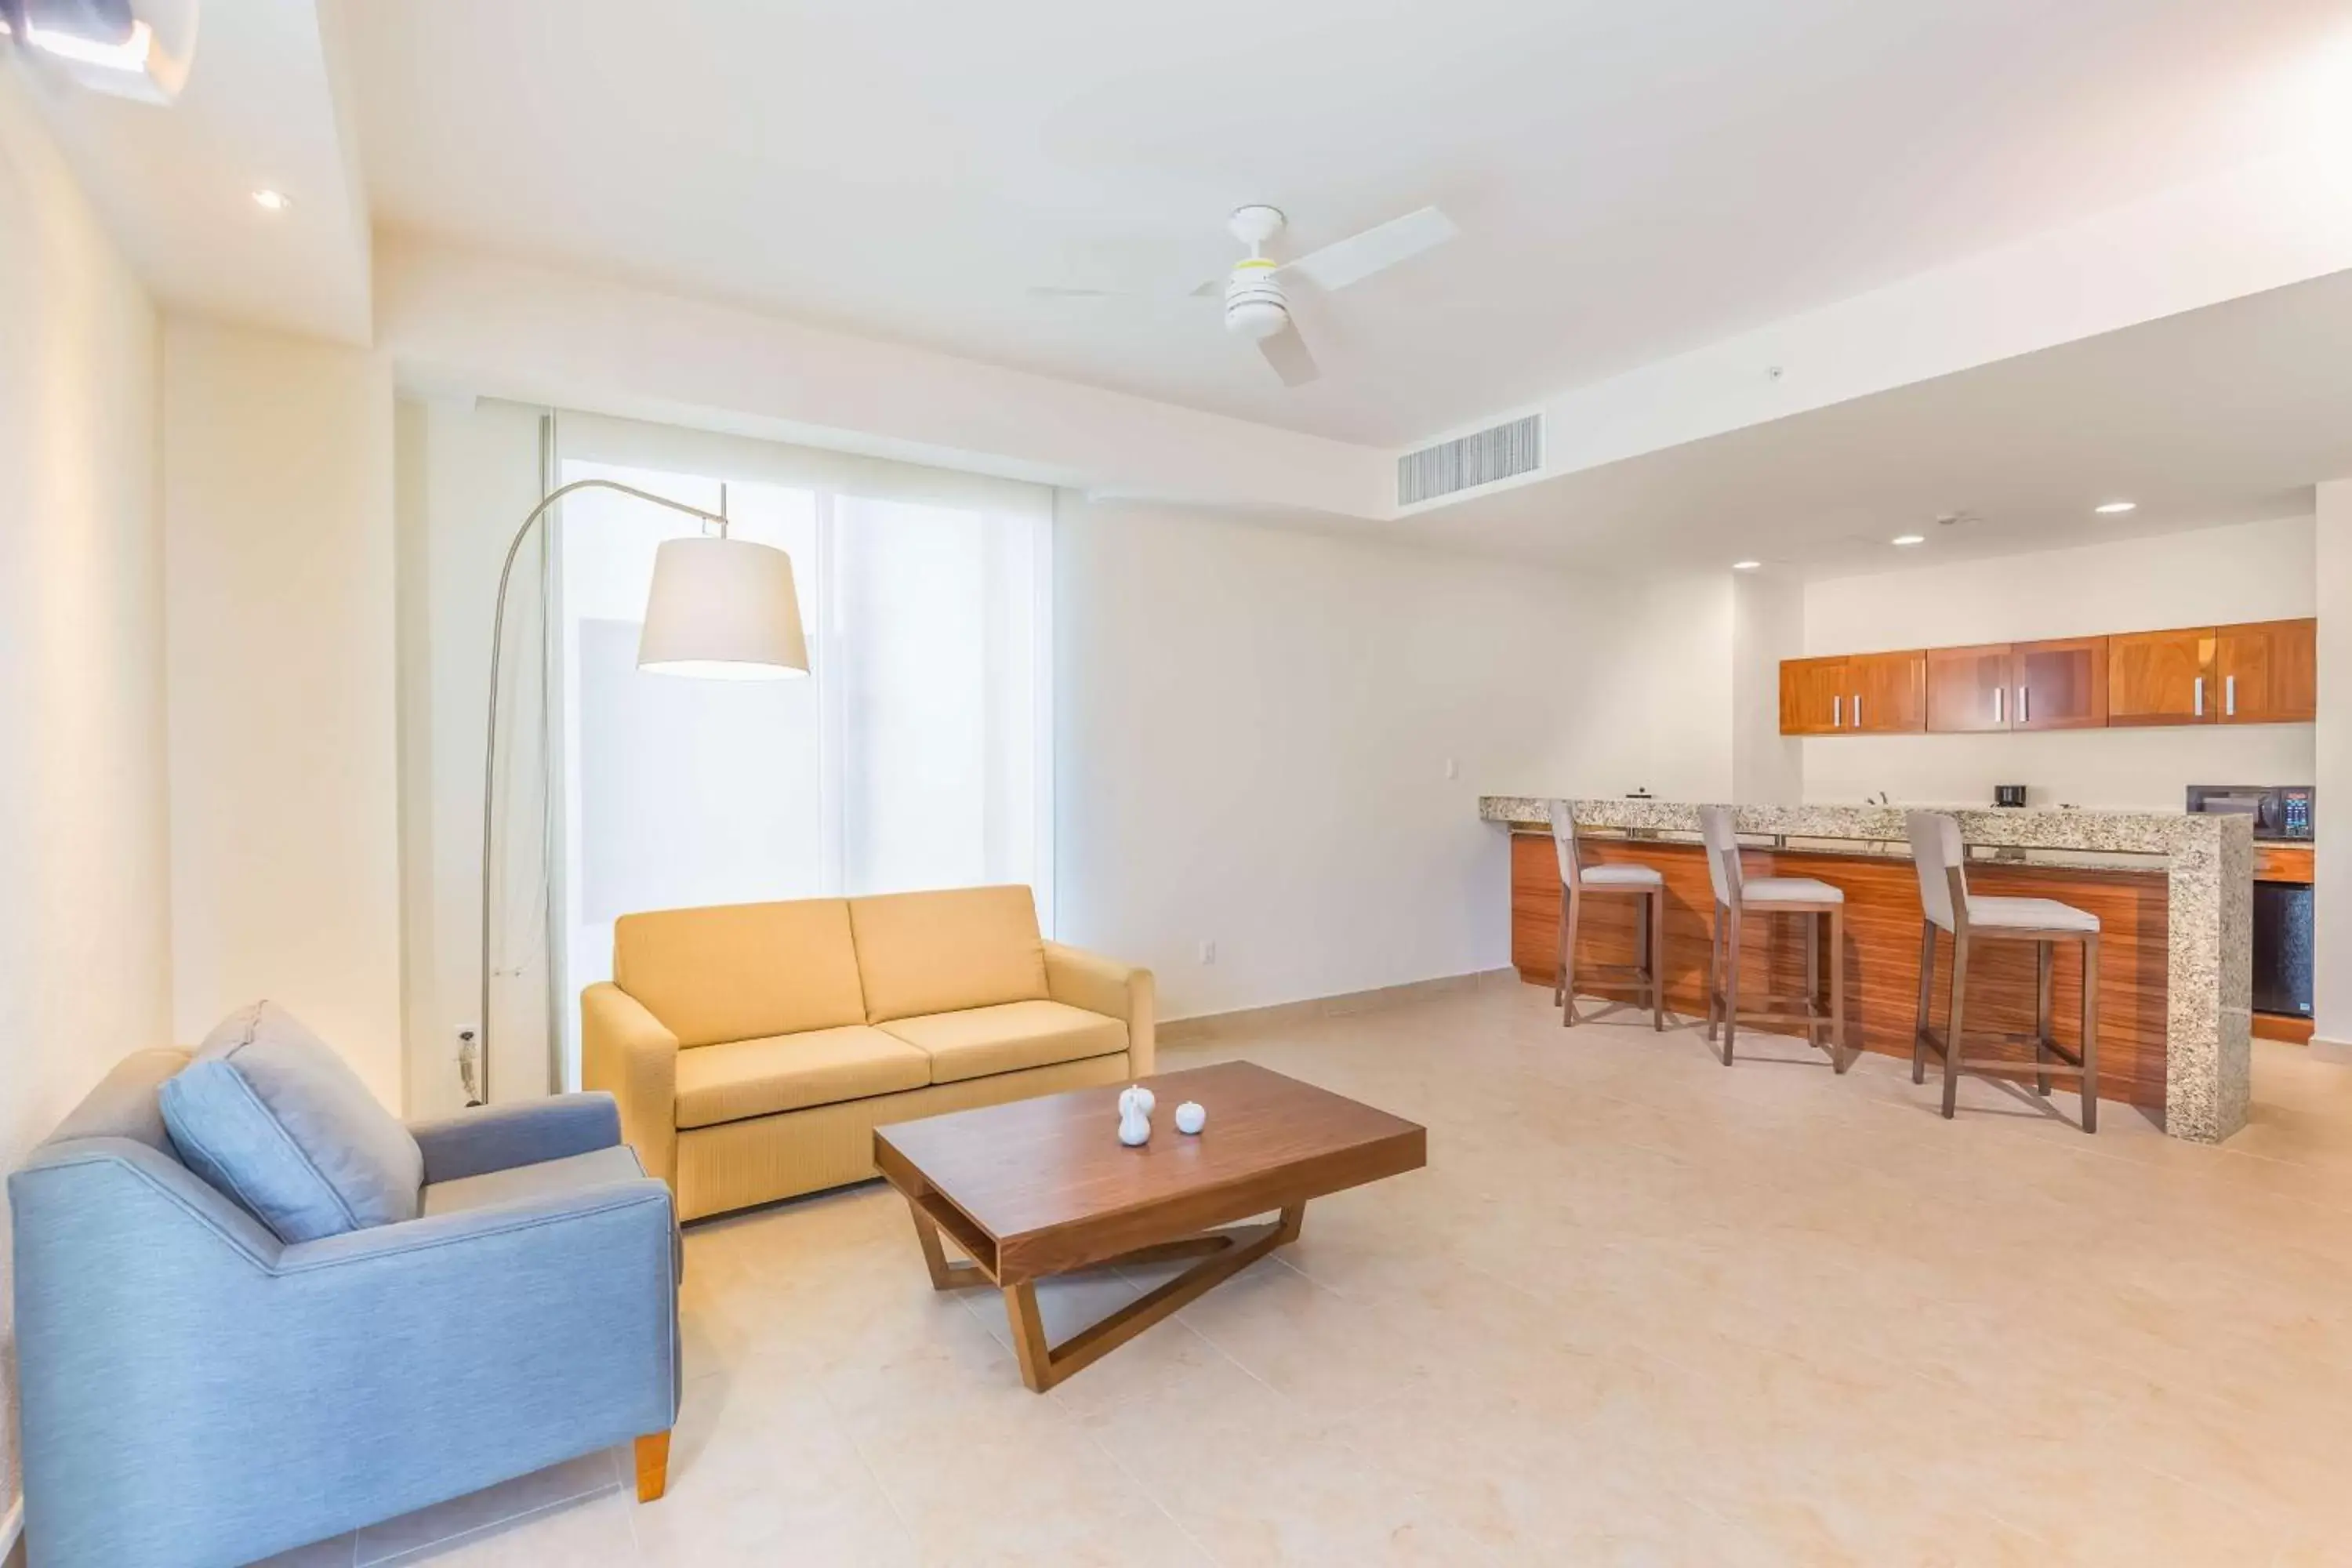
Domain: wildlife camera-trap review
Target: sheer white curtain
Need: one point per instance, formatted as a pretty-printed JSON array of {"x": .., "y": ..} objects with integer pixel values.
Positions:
[{"x": 915, "y": 755}]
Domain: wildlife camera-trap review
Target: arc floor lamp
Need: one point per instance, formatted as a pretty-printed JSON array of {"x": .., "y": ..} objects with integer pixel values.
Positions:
[{"x": 721, "y": 609}]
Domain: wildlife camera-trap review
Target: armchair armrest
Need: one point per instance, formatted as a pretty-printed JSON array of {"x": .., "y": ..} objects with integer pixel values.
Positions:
[
  {"x": 625, "y": 1052},
  {"x": 500, "y": 1137},
  {"x": 1104, "y": 985}
]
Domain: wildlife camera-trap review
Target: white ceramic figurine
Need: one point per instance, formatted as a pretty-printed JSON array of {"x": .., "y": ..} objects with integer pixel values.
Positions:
[
  {"x": 1190, "y": 1117},
  {"x": 1134, "y": 1116}
]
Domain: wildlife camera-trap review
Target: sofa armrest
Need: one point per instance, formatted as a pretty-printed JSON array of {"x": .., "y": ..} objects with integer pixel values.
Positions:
[
  {"x": 1104, "y": 985},
  {"x": 627, "y": 1053},
  {"x": 500, "y": 1137}
]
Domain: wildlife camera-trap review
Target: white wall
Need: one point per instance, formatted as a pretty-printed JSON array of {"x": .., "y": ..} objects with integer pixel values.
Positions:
[
  {"x": 1680, "y": 657},
  {"x": 284, "y": 777},
  {"x": 2332, "y": 873},
  {"x": 1768, "y": 624},
  {"x": 1252, "y": 733},
  {"x": 85, "y": 969},
  {"x": 2250, "y": 571},
  {"x": 467, "y": 475}
]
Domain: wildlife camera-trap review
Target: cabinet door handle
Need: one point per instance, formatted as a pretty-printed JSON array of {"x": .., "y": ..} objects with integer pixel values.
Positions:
[
  {"x": 1999, "y": 692},
  {"x": 1837, "y": 712},
  {"x": 2025, "y": 705},
  {"x": 1857, "y": 710},
  {"x": 2200, "y": 697},
  {"x": 2229, "y": 697}
]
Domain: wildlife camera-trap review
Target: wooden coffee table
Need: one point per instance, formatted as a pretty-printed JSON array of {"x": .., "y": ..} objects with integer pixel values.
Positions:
[{"x": 1044, "y": 1187}]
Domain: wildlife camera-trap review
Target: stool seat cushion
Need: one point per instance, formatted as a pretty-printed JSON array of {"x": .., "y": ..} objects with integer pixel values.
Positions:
[
  {"x": 1621, "y": 877},
  {"x": 1788, "y": 890},
  {"x": 2046, "y": 914}
]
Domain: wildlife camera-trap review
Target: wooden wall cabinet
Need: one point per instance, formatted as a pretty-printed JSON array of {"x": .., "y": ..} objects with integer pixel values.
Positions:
[
  {"x": 1888, "y": 693},
  {"x": 2266, "y": 673},
  {"x": 1856, "y": 694},
  {"x": 1812, "y": 696},
  {"x": 1967, "y": 689},
  {"x": 2059, "y": 685},
  {"x": 2161, "y": 678}
]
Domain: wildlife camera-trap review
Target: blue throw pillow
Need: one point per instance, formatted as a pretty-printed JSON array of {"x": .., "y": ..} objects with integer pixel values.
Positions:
[{"x": 269, "y": 1114}]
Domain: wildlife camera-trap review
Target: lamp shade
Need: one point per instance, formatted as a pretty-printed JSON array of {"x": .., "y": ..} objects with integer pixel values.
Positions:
[{"x": 723, "y": 608}]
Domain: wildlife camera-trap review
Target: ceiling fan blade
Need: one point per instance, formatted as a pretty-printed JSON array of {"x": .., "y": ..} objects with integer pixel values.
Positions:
[
  {"x": 1374, "y": 250},
  {"x": 1286, "y": 352}
]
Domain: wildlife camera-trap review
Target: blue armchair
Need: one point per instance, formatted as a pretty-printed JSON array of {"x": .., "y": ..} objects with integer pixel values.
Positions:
[{"x": 197, "y": 1392}]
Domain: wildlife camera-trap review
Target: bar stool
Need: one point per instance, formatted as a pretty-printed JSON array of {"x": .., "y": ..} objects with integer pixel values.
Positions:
[
  {"x": 1736, "y": 898},
  {"x": 1576, "y": 880},
  {"x": 1943, "y": 896}
]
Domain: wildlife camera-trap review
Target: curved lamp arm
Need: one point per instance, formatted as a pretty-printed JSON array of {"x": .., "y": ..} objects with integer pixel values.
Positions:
[{"x": 477, "y": 1089}]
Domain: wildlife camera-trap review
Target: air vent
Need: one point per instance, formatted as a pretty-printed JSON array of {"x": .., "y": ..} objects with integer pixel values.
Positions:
[{"x": 1468, "y": 462}]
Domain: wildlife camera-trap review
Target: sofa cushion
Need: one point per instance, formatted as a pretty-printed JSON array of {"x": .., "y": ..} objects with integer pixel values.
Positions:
[
  {"x": 935, "y": 952},
  {"x": 978, "y": 1041},
  {"x": 740, "y": 971},
  {"x": 789, "y": 1072},
  {"x": 269, "y": 1114},
  {"x": 540, "y": 1179}
]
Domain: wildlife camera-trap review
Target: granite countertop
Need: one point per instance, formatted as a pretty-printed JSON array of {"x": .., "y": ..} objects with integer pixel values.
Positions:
[{"x": 2167, "y": 833}]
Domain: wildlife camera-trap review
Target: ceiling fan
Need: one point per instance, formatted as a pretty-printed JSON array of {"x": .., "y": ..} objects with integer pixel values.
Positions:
[{"x": 1256, "y": 306}]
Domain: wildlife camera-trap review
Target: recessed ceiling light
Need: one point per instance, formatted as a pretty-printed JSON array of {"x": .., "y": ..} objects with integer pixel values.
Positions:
[
  {"x": 271, "y": 201},
  {"x": 2110, "y": 508},
  {"x": 1746, "y": 565},
  {"x": 1910, "y": 539}
]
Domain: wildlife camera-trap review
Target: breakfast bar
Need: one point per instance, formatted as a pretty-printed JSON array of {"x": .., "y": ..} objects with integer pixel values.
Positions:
[{"x": 2174, "y": 894}]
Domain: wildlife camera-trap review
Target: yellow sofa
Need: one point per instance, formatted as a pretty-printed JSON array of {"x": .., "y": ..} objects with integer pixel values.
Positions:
[{"x": 754, "y": 1047}]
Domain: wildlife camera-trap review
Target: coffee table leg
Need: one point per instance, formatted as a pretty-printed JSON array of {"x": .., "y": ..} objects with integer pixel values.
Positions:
[
  {"x": 1044, "y": 1365},
  {"x": 1029, "y": 1336},
  {"x": 945, "y": 1276}
]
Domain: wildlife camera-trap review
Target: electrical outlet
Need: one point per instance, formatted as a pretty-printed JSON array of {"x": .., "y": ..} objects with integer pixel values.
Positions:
[{"x": 1208, "y": 952}]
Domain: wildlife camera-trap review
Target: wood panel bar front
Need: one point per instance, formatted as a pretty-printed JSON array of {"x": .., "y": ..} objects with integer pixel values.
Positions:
[{"x": 1882, "y": 923}]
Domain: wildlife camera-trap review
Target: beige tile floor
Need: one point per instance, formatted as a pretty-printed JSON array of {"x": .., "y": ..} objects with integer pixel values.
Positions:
[{"x": 1640, "y": 1309}]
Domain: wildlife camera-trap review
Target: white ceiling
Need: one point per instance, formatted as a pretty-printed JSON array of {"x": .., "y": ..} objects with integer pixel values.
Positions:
[
  {"x": 2217, "y": 415},
  {"x": 1633, "y": 179},
  {"x": 261, "y": 111}
]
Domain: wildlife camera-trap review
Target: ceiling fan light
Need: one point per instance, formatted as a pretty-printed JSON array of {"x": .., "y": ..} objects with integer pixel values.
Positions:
[
  {"x": 1258, "y": 320},
  {"x": 1255, "y": 305}
]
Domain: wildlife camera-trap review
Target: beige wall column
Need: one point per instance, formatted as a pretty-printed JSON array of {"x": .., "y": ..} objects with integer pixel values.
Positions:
[
  {"x": 1768, "y": 624},
  {"x": 278, "y": 603},
  {"x": 2332, "y": 904}
]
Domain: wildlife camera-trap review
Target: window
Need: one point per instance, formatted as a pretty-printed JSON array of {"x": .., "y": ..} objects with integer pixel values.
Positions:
[{"x": 914, "y": 755}]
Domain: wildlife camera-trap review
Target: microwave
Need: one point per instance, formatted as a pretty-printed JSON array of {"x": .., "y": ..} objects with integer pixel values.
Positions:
[{"x": 2280, "y": 811}]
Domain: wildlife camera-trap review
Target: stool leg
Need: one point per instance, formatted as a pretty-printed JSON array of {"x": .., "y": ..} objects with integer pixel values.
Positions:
[
  {"x": 1838, "y": 1055},
  {"x": 1658, "y": 960},
  {"x": 1952, "y": 1036},
  {"x": 1715, "y": 967},
  {"x": 1730, "y": 983},
  {"x": 1927, "y": 999},
  {"x": 1812, "y": 979},
  {"x": 2045, "y": 968},
  {"x": 2091, "y": 1033},
  {"x": 1568, "y": 960},
  {"x": 1559, "y": 959}
]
